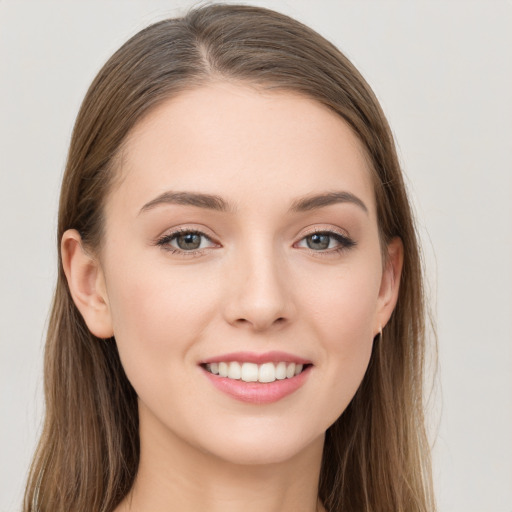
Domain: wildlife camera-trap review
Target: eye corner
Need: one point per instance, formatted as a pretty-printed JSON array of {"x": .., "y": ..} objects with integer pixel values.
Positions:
[
  {"x": 175, "y": 242},
  {"x": 329, "y": 242}
]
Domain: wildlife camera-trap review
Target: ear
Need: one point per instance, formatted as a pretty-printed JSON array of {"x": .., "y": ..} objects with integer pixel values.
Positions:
[
  {"x": 87, "y": 284},
  {"x": 390, "y": 283}
]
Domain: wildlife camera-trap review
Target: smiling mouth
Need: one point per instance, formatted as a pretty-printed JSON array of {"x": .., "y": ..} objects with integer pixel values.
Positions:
[{"x": 252, "y": 372}]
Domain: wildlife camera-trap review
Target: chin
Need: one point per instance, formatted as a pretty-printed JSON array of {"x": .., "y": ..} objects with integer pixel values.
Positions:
[{"x": 264, "y": 449}]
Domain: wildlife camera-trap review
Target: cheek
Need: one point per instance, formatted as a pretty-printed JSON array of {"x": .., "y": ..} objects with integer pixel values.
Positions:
[
  {"x": 344, "y": 305},
  {"x": 157, "y": 314},
  {"x": 343, "y": 317},
  {"x": 348, "y": 338}
]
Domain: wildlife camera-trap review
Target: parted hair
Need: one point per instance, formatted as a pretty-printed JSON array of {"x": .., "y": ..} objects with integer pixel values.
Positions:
[{"x": 376, "y": 455}]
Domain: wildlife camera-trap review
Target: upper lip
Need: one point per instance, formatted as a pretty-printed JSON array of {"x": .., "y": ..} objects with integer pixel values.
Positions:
[{"x": 253, "y": 357}]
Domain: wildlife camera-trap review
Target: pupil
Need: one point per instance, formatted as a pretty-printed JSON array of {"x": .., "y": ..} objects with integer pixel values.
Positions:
[
  {"x": 189, "y": 241},
  {"x": 318, "y": 241}
]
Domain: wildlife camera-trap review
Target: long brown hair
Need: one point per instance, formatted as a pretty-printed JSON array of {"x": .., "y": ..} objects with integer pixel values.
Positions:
[{"x": 376, "y": 455}]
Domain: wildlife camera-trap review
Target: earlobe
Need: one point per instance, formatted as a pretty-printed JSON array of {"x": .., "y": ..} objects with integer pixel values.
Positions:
[
  {"x": 390, "y": 283},
  {"x": 87, "y": 284}
]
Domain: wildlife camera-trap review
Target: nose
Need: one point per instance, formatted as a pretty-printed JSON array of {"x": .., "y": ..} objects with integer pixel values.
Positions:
[{"x": 258, "y": 293}]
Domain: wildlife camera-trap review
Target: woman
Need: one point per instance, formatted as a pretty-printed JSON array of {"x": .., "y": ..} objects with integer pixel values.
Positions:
[{"x": 239, "y": 317}]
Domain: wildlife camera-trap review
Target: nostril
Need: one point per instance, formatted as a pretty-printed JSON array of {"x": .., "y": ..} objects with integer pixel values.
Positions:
[{"x": 278, "y": 321}]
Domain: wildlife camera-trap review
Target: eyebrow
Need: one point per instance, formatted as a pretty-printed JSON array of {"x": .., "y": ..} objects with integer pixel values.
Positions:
[
  {"x": 208, "y": 201},
  {"x": 214, "y": 202},
  {"x": 321, "y": 200}
]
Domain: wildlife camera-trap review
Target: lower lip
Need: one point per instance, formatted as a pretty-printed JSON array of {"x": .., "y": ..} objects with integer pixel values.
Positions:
[{"x": 258, "y": 392}]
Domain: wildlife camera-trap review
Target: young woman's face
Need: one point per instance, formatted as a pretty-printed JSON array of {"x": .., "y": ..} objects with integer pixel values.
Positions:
[{"x": 241, "y": 238}]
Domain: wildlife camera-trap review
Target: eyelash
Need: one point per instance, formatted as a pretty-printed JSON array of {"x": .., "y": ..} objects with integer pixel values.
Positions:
[
  {"x": 165, "y": 241},
  {"x": 345, "y": 243}
]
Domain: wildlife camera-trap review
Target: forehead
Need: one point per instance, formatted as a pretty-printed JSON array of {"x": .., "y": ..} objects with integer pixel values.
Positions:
[{"x": 236, "y": 141}]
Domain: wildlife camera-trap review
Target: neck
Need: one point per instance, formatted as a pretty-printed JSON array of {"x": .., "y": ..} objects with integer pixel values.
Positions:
[{"x": 174, "y": 476}]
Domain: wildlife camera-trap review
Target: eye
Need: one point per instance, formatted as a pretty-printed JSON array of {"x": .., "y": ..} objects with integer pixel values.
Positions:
[
  {"x": 185, "y": 241},
  {"x": 326, "y": 241}
]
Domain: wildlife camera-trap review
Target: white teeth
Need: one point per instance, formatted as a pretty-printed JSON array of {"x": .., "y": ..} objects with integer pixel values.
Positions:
[
  {"x": 267, "y": 373},
  {"x": 251, "y": 372},
  {"x": 223, "y": 369},
  {"x": 281, "y": 371},
  {"x": 290, "y": 370},
  {"x": 235, "y": 370}
]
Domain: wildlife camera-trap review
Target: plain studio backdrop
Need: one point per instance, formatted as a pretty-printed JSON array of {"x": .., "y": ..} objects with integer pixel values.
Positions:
[{"x": 443, "y": 73}]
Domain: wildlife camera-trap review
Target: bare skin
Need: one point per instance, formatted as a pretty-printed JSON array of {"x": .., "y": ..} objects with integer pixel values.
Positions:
[
  {"x": 287, "y": 259},
  {"x": 198, "y": 481}
]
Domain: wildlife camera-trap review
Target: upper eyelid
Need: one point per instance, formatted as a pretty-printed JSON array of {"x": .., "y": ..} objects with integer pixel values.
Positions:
[
  {"x": 169, "y": 233},
  {"x": 164, "y": 241},
  {"x": 342, "y": 236},
  {"x": 311, "y": 231},
  {"x": 299, "y": 237},
  {"x": 327, "y": 230},
  {"x": 344, "y": 241}
]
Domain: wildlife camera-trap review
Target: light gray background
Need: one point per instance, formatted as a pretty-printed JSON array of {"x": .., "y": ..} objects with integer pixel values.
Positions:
[{"x": 443, "y": 72}]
